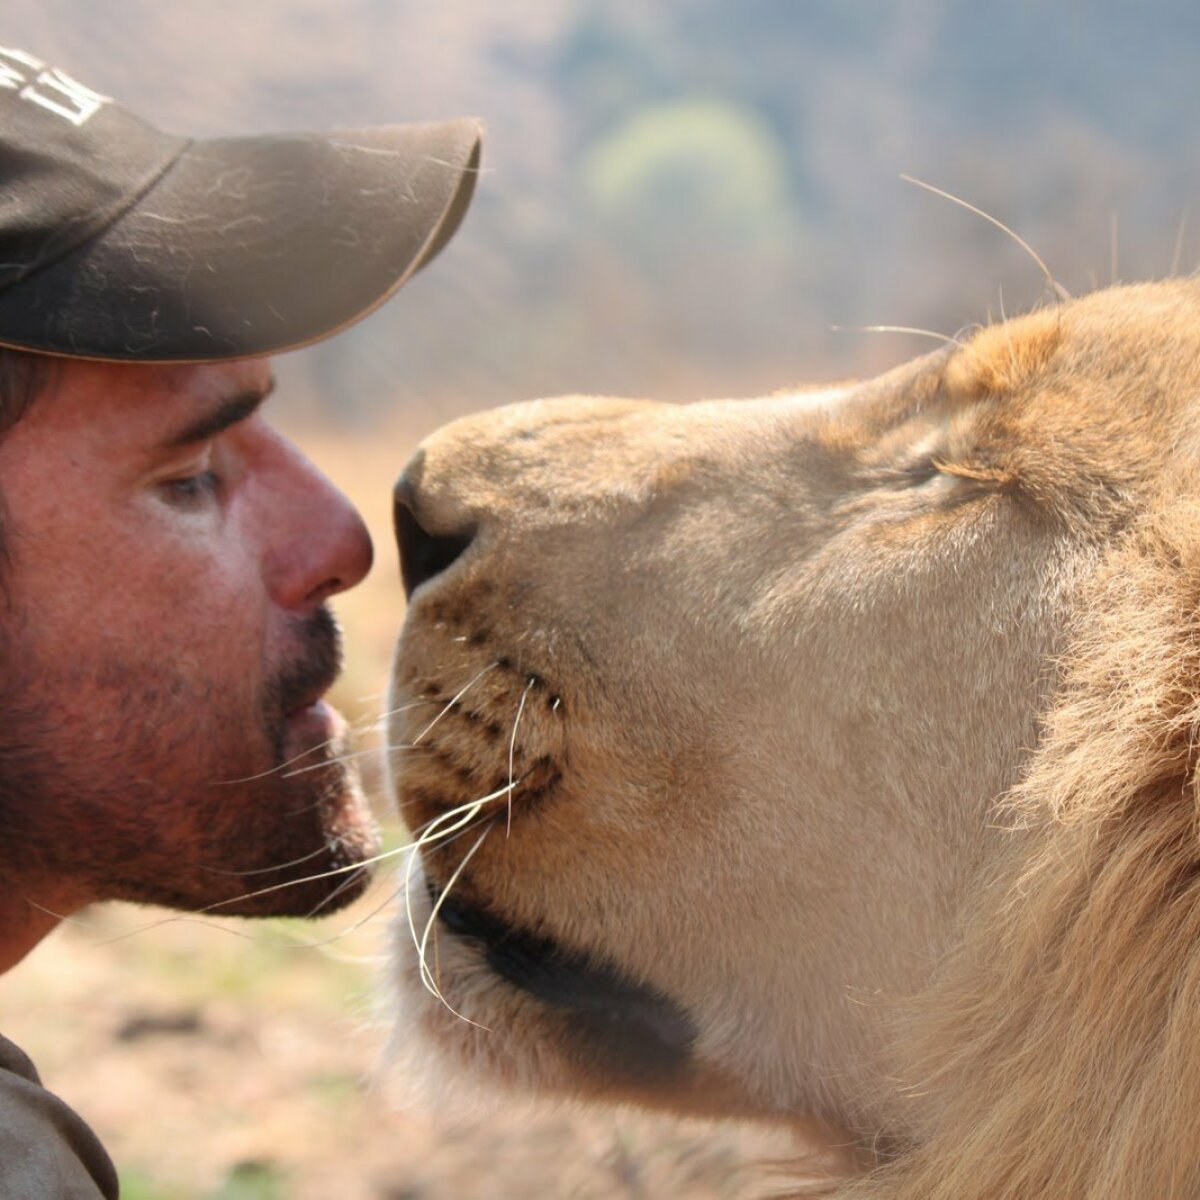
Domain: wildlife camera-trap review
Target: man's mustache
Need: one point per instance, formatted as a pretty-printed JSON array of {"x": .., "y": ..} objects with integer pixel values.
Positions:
[{"x": 313, "y": 672}]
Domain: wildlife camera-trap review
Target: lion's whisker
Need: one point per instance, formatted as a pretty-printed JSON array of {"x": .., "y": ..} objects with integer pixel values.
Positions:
[
  {"x": 386, "y": 902},
  {"x": 349, "y": 868},
  {"x": 1177, "y": 256},
  {"x": 352, "y": 756},
  {"x": 295, "y": 862},
  {"x": 353, "y": 927},
  {"x": 178, "y": 917},
  {"x": 94, "y": 927},
  {"x": 430, "y": 834},
  {"x": 512, "y": 747},
  {"x": 366, "y": 727},
  {"x": 278, "y": 766},
  {"x": 929, "y": 333},
  {"x": 379, "y": 721},
  {"x": 1060, "y": 291},
  {"x": 426, "y": 831},
  {"x": 422, "y": 949},
  {"x": 325, "y": 901}
]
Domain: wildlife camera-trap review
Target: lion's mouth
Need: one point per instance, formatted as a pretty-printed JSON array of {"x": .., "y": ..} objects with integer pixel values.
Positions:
[{"x": 637, "y": 1030}]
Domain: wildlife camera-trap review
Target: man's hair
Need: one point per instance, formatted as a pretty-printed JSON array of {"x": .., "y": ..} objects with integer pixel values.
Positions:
[{"x": 22, "y": 377}]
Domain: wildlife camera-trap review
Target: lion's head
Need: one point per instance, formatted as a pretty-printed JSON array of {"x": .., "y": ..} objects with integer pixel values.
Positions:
[{"x": 828, "y": 757}]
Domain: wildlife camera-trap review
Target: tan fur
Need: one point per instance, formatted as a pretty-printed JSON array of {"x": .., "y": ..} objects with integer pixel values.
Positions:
[{"x": 875, "y": 749}]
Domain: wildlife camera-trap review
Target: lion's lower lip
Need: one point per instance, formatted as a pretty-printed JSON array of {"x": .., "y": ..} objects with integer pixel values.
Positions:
[{"x": 638, "y": 1030}]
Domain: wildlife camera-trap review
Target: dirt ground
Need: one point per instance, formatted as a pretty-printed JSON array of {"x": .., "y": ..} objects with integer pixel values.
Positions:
[{"x": 233, "y": 1061}]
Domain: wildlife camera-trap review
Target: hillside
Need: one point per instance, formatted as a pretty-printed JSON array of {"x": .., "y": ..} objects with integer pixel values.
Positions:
[{"x": 682, "y": 199}]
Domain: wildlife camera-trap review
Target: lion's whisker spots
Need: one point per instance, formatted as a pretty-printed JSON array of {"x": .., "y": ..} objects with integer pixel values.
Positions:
[{"x": 455, "y": 699}]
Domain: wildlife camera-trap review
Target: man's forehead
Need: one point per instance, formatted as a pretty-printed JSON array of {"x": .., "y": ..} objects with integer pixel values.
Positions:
[{"x": 151, "y": 398}]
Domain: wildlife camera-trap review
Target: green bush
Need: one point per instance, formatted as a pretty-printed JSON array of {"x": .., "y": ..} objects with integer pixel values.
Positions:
[{"x": 690, "y": 175}]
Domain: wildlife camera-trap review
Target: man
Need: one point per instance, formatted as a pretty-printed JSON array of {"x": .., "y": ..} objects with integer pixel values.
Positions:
[{"x": 165, "y": 556}]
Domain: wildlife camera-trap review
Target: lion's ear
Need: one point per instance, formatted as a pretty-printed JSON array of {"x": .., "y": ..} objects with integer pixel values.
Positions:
[{"x": 1001, "y": 358}]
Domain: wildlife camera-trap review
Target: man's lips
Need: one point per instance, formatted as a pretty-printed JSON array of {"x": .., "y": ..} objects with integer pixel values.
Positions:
[
  {"x": 304, "y": 705},
  {"x": 318, "y": 710}
]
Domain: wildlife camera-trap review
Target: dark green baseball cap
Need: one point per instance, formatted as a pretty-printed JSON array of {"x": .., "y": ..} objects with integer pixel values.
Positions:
[{"x": 118, "y": 241}]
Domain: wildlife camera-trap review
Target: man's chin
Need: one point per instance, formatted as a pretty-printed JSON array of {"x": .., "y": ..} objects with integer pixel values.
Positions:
[{"x": 328, "y": 878}]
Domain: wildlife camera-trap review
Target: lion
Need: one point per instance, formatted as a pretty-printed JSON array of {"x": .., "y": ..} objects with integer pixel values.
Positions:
[{"x": 828, "y": 758}]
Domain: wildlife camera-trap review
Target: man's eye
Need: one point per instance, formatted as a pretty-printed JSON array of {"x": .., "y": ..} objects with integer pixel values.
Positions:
[{"x": 192, "y": 489}]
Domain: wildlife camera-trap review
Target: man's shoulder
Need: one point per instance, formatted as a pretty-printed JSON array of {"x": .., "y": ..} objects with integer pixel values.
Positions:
[{"x": 47, "y": 1151}]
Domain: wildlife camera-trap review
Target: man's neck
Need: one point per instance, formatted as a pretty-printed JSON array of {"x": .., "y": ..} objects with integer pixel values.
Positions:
[{"x": 24, "y": 920}]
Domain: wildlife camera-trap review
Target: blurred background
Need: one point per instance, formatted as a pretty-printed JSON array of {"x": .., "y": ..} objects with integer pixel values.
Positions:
[{"x": 682, "y": 199}]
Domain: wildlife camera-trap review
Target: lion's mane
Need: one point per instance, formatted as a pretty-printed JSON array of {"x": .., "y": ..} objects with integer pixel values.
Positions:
[{"x": 1060, "y": 1047}]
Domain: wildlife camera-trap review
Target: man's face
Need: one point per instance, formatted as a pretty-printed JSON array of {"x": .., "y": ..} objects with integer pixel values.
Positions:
[{"x": 165, "y": 642}]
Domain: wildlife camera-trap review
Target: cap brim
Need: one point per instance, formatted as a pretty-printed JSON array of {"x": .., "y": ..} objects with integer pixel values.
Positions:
[{"x": 251, "y": 246}]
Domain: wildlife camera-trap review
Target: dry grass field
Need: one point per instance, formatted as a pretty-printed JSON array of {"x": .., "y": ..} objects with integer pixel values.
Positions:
[{"x": 224, "y": 1060}]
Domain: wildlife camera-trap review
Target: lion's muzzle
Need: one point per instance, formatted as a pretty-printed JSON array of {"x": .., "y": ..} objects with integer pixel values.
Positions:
[{"x": 423, "y": 553}]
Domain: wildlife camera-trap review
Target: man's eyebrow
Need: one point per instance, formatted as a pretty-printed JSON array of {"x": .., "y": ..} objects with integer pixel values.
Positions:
[{"x": 229, "y": 412}]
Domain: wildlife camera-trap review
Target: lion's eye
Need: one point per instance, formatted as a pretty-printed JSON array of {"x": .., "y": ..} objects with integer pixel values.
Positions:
[{"x": 916, "y": 473}]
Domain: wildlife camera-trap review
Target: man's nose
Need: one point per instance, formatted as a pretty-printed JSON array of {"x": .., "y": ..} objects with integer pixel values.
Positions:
[{"x": 321, "y": 546}]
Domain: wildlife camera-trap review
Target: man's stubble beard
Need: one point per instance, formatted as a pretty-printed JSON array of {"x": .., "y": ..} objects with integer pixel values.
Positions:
[{"x": 179, "y": 794}]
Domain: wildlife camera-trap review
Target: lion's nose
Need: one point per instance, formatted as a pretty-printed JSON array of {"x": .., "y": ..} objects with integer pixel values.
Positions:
[{"x": 423, "y": 554}]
